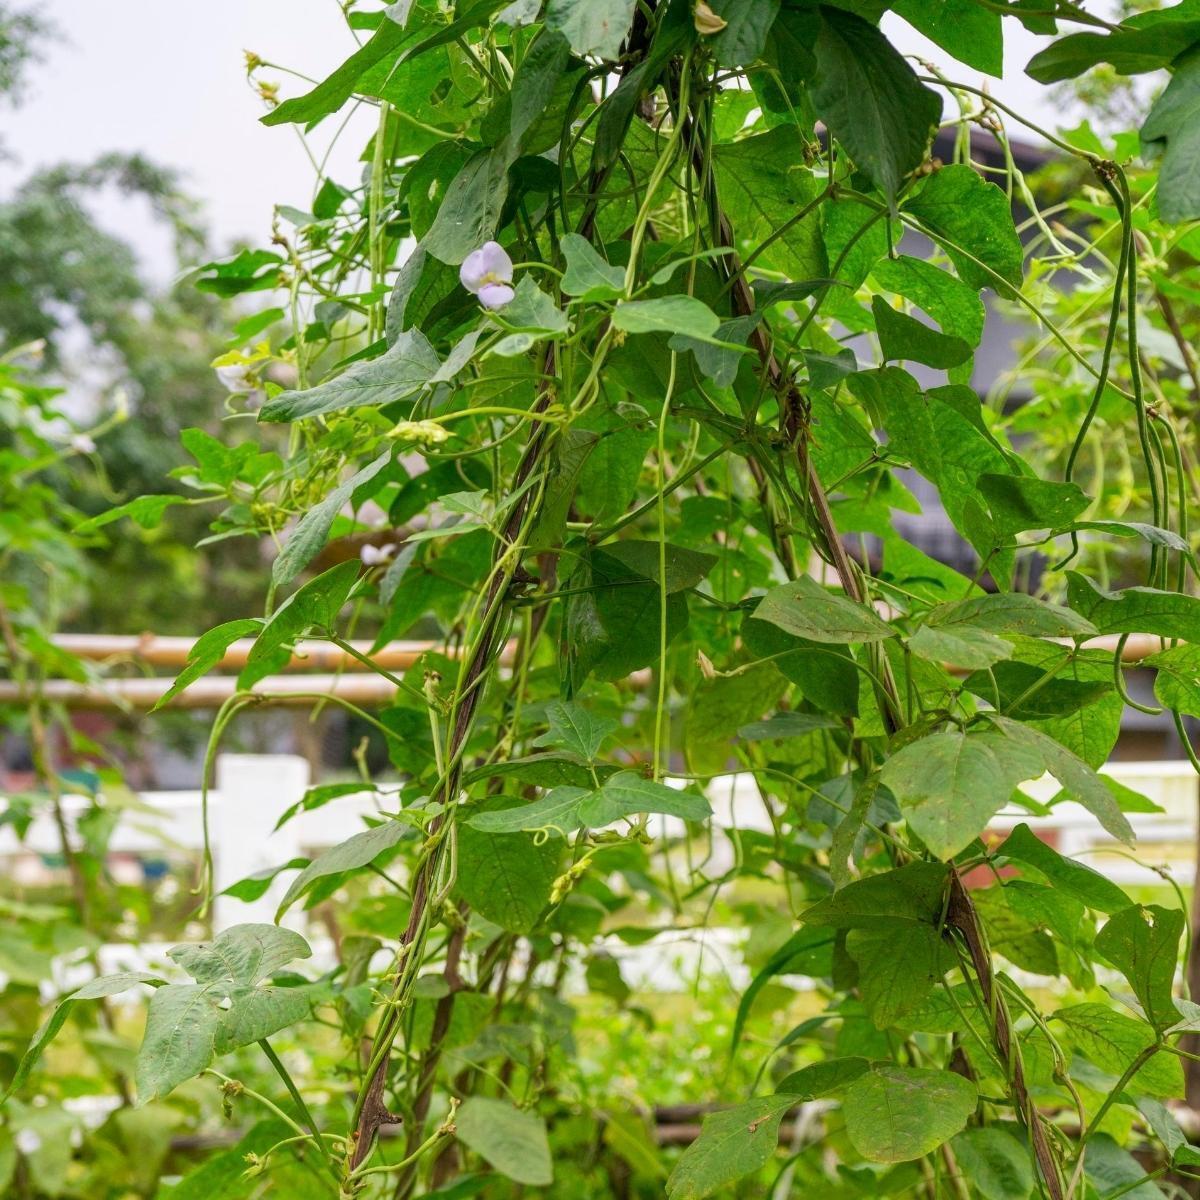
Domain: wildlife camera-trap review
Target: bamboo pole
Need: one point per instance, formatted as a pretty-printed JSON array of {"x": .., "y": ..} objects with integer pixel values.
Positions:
[
  {"x": 364, "y": 690},
  {"x": 352, "y": 681},
  {"x": 154, "y": 650}
]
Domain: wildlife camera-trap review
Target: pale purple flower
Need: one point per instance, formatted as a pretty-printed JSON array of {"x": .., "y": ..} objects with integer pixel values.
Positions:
[
  {"x": 81, "y": 443},
  {"x": 487, "y": 273},
  {"x": 374, "y": 556},
  {"x": 235, "y": 377}
]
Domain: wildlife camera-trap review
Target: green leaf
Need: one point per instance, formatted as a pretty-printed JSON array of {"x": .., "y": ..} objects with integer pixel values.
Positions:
[
  {"x": 914, "y": 893},
  {"x": 1135, "y": 609},
  {"x": 806, "y": 952},
  {"x": 609, "y": 478},
  {"x": 826, "y": 1078},
  {"x": 243, "y": 954},
  {"x": 1012, "y": 612},
  {"x": 956, "y": 307},
  {"x": 871, "y": 100},
  {"x": 939, "y": 440},
  {"x": 575, "y": 729},
  {"x": 718, "y": 707},
  {"x": 732, "y": 1143},
  {"x": 747, "y": 23},
  {"x": 223, "y": 1174},
  {"x": 949, "y": 785},
  {"x": 313, "y": 528},
  {"x": 1115, "y": 1172},
  {"x": 824, "y": 673},
  {"x": 401, "y": 372},
  {"x": 314, "y": 606},
  {"x": 1146, "y": 42},
  {"x": 1112, "y": 1041},
  {"x": 1083, "y": 784},
  {"x": 532, "y": 309},
  {"x": 257, "y": 1012},
  {"x": 256, "y": 885},
  {"x": 1021, "y": 502},
  {"x": 588, "y": 276},
  {"x": 318, "y": 797},
  {"x": 105, "y": 985},
  {"x": 614, "y": 619},
  {"x": 972, "y": 220},
  {"x": 182, "y": 1024},
  {"x": 350, "y": 855},
  {"x": 1150, "y": 534},
  {"x": 1142, "y": 942},
  {"x": 894, "y": 1114},
  {"x": 959, "y": 645},
  {"x": 206, "y": 652},
  {"x": 628, "y": 794},
  {"x": 329, "y": 95},
  {"x": 963, "y": 28},
  {"x": 666, "y": 314},
  {"x": 785, "y": 725},
  {"x": 508, "y": 1138},
  {"x": 1028, "y": 693},
  {"x": 805, "y": 609},
  {"x": 716, "y": 361},
  {"x": 904, "y": 337},
  {"x": 846, "y": 832},
  {"x": 1073, "y": 877},
  {"x": 533, "y": 89},
  {"x": 506, "y": 877},
  {"x": 1177, "y": 684},
  {"x": 541, "y": 770},
  {"x": 469, "y": 214},
  {"x": 684, "y": 568},
  {"x": 8, "y": 1158},
  {"x": 145, "y": 511},
  {"x": 591, "y": 26},
  {"x": 1172, "y": 129},
  {"x": 996, "y": 1162},
  {"x": 1163, "y": 1124},
  {"x": 558, "y": 810},
  {"x": 898, "y": 967},
  {"x": 764, "y": 186}
]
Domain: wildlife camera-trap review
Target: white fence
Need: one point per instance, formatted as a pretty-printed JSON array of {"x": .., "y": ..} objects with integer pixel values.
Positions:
[{"x": 253, "y": 790}]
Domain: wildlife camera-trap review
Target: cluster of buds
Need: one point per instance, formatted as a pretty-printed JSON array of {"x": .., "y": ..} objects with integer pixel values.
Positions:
[
  {"x": 230, "y": 1091},
  {"x": 566, "y": 882},
  {"x": 255, "y": 1165},
  {"x": 420, "y": 433}
]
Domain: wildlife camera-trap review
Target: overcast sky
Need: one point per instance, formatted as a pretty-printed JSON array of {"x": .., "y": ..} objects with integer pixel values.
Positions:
[{"x": 166, "y": 78}]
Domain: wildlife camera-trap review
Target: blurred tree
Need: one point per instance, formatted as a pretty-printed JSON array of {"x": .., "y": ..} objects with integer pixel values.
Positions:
[{"x": 80, "y": 296}]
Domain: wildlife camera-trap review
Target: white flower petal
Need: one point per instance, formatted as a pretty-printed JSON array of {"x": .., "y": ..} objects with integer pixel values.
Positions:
[
  {"x": 495, "y": 295},
  {"x": 82, "y": 444},
  {"x": 373, "y": 556},
  {"x": 489, "y": 264},
  {"x": 234, "y": 377}
]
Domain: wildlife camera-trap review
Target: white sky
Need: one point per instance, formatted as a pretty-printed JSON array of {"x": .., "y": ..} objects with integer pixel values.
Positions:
[{"x": 166, "y": 78}]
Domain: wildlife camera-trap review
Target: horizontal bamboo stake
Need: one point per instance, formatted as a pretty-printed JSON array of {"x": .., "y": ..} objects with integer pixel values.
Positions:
[
  {"x": 364, "y": 690},
  {"x": 153, "y": 650},
  {"x": 353, "y": 682}
]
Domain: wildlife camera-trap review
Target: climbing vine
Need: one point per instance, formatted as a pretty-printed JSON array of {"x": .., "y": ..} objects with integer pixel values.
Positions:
[{"x": 613, "y": 369}]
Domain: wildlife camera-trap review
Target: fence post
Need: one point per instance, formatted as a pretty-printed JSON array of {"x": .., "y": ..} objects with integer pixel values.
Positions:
[{"x": 253, "y": 791}]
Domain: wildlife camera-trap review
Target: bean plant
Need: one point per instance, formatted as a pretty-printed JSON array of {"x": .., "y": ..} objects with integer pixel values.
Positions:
[{"x": 607, "y": 378}]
